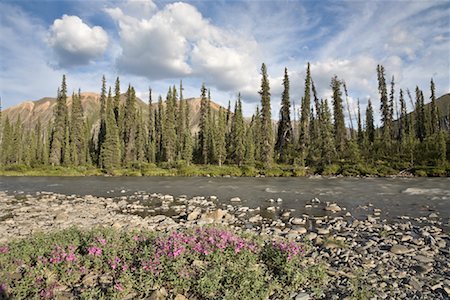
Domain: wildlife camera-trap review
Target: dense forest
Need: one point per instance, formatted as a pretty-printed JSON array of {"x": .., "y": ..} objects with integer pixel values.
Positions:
[{"x": 127, "y": 138}]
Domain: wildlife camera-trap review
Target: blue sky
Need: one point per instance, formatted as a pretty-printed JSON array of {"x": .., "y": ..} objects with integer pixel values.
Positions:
[{"x": 222, "y": 43}]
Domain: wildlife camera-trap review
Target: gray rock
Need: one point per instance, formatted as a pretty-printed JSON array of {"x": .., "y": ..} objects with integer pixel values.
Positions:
[
  {"x": 333, "y": 208},
  {"x": 299, "y": 230},
  {"x": 298, "y": 221},
  {"x": 423, "y": 259},
  {"x": 323, "y": 231},
  {"x": 160, "y": 294},
  {"x": 302, "y": 296},
  {"x": 433, "y": 216},
  {"x": 311, "y": 236},
  {"x": 194, "y": 214},
  {"x": 400, "y": 249}
]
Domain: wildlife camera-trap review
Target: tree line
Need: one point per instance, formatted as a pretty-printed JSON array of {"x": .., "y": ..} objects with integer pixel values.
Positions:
[{"x": 126, "y": 136}]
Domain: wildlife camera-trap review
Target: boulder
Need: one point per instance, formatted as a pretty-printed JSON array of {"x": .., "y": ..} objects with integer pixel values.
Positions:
[
  {"x": 333, "y": 208},
  {"x": 194, "y": 214},
  {"x": 400, "y": 249}
]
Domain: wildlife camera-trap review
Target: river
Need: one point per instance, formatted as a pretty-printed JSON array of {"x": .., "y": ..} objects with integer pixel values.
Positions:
[{"x": 413, "y": 197}]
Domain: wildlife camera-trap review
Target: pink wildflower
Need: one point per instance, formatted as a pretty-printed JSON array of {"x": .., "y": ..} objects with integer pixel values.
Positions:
[
  {"x": 118, "y": 287},
  {"x": 95, "y": 251},
  {"x": 4, "y": 249}
]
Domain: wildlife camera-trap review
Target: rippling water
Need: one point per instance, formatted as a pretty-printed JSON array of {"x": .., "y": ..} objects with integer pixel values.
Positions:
[{"x": 413, "y": 197}]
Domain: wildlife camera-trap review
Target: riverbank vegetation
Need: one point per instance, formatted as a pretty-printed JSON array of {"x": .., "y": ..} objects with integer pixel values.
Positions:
[
  {"x": 275, "y": 170},
  {"x": 201, "y": 263},
  {"x": 126, "y": 140}
]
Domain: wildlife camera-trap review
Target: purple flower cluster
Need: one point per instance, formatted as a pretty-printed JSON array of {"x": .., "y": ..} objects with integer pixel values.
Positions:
[
  {"x": 60, "y": 254},
  {"x": 95, "y": 251},
  {"x": 292, "y": 249},
  {"x": 4, "y": 249},
  {"x": 202, "y": 241}
]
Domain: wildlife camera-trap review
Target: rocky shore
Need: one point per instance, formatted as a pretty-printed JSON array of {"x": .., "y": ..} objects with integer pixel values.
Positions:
[{"x": 404, "y": 259}]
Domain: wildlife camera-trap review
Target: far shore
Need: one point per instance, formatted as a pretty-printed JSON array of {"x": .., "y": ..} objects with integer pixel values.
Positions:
[{"x": 182, "y": 170}]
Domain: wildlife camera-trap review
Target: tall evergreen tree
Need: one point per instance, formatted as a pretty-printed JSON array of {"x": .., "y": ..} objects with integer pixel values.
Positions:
[
  {"x": 77, "y": 131},
  {"x": 370, "y": 127},
  {"x": 102, "y": 130},
  {"x": 420, "y": 115},
  {"x": 129, "y": 127},
  {"x": 328, "y": 147},
  {"x": 204, "y": 128},
  {"x": 385, "y": 107},
  {"x": 110, "y": 155},
  {"x": 284, "y": 135},
  {"x": 340, "y": 132},
  {"x": 151, "y": 144},
  {"x": 249, "y": 157},
  {"x": 116, "y": 103},
  {"x": 266, "y": 119},
  {"x": 403, "y": 121},
  {"x": 237, "y": 134},
  {"x": 169, "y": 127},
  {"x": 434, "y": 110},
  {"x": 181, "y": 123},
  {"x": 360, "y": 129},
  {"x": 305, "y": 117},
  {"x": 58, "y": 140},
  {"x": 159, "y": 121},
  {"x": 187, "y": 136},
  {"x": 140, "y": 139}
]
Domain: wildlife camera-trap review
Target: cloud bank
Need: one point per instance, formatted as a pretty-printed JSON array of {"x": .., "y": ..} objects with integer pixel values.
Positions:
[{"x": 74, "y": 42}]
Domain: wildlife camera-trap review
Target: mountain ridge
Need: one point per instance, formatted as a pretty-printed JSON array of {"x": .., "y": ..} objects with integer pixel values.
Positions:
[{"x": 42, "y": 109}]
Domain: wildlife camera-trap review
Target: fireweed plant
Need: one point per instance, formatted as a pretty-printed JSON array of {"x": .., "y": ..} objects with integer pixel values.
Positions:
[{"x": 203, "y": 262}]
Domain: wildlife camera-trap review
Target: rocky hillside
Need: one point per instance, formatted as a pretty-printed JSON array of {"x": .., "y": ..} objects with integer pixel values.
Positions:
[{"x": 32, "y": 111}]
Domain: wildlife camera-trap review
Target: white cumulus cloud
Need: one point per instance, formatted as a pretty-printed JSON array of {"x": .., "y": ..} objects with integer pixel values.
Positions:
[
  {"x": 177, "y": 41},
  {"x": 74, "y": 42}
]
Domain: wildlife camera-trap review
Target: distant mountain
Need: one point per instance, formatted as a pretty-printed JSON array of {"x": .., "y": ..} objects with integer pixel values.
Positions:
[{"x": 32, "y": 111}]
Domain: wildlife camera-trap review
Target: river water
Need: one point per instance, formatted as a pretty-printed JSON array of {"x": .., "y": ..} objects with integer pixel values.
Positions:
[{"x": 414, "y": 197}]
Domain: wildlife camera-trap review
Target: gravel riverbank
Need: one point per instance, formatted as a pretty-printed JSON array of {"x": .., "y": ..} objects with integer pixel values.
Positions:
[{"x": 404, "y": 259}]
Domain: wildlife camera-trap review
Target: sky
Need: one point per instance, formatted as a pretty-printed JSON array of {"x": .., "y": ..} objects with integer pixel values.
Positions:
[{"x": 151, "y": 43}]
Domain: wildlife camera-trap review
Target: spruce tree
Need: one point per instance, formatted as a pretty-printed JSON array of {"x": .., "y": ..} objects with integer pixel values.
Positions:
[
  {"x": 249, "y": 157},
  {"x": 187, "y": 137},
  {"x": 385, "y": 108},
  {"x": 204, "y": 129},
  {"x": 420, "y": 115},
  {"x": 151, "y": 144},
  {"x": 77, "y": 131},
  {"x": 237, "y": 134},
  {"x": 370, "y": 127},
  {"x": 181, "y": 123},
  {"x": 360, "y": 129},
  {"x": 110, "y": 153},
  {"x": 434, "y": 110},
  {"x": 102, "y": 128},
  {"x": 328, "y": 147},
  {"x": 169, "y": 127},
  {"x": 266, "y": 120},
  {"x": 340, "y": 131},
  {"x": 284, "y": 134},
  {"x": 140, "y": 139},
  {"x": 304, "y": 138},
  {"x": 116, "y": 104},
  {"x": 403, "y": 121},
  {"x": 59, "y": 125},
  {"x": 129, "y": 127},
  {"x": 159, "y": 120}
]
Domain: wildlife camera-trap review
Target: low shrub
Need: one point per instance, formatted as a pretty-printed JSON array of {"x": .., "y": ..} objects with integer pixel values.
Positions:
[{"x": 201, "y": 263}]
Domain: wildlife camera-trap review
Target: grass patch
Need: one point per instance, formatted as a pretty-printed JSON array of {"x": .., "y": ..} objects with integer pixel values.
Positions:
[{"x": 201, "y": 263}]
